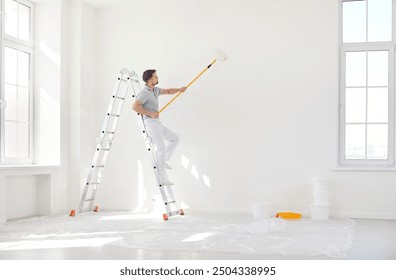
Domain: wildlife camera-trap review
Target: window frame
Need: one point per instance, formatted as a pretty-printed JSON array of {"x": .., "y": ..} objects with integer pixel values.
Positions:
[
  {"x": 25, "y": 46},
  {"x": 364, "y": 47},
  {"x": 15, "y": 39}
]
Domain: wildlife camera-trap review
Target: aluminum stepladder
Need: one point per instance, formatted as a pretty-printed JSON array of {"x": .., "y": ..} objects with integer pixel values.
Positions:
[
  {"x": 167, "y": 194},
  {"x": 125, "y": 81},
  {"x": 105, "y": 140}
]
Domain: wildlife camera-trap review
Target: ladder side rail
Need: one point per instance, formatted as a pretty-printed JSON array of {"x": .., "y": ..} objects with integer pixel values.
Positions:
[
  {"x": 112, "y": 114},
  {"x": 94, "y": 188},
  {"x": 106, "y": 134},
  {"x": 93, "y": 173},
  {"x": 101, "y": 138},
  {"x": 171, "y": 198},
  {"x": 165, "y": 199},
  {"x": 83, "y": 197},
  {"x": 111, "y": 104},
  {"x": 99, "y": 153}
]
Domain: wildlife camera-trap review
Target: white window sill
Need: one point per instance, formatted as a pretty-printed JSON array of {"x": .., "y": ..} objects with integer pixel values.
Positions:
[
  {"x": 27, "y": 167},
  {"x": 365, "y": 168}
]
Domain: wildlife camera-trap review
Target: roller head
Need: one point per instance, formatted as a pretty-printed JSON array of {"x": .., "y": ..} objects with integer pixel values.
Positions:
[{"x": 221, "y": 55}]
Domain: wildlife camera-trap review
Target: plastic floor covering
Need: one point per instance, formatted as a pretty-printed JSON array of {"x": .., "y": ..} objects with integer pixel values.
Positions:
[{"x": 192, "y": 232}]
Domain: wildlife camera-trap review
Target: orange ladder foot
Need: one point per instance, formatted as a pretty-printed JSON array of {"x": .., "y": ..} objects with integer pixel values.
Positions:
[
  {"x": 165, "y": 216},
  {"x": 181, "y": 212},
  {"x": 96, "y": 208},
  {"x": 72, "y": 213}
]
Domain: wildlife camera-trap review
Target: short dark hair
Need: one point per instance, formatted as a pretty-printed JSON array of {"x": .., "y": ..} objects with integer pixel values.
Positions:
[{"x": 148, "y": 74}]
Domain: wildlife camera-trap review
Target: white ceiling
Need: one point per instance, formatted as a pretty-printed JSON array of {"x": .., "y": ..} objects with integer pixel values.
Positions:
[{"x": 96, "y": 3}]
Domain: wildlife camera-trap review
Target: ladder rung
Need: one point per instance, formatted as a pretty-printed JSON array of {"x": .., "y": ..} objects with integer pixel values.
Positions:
[
  {"x": 103, "y": 149},
  {"x": 173, "y": 213},
  {"x": 113, "y": 115},
  {"x": 168, "y": 202},
  {"x": 117, "y": 97},
  {"x": 91, "y": 199},
  {"x": 95, "y": 183},
  {"x": 108, "y": 132},
  {"x": 100, "y": 166}
]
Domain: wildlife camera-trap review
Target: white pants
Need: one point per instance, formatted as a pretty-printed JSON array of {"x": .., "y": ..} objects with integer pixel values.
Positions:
[{"x": 164, "y": 141}]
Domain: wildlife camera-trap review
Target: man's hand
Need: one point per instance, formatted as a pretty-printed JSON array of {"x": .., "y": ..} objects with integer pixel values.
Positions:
[{"x": 183, "y": 89}]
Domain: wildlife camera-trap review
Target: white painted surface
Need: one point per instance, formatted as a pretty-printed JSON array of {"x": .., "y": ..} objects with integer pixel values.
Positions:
[
  {"x": 47, "y": 74},
  {"x": 258, "y": 127},
  {"x": 21, "y": 194}
]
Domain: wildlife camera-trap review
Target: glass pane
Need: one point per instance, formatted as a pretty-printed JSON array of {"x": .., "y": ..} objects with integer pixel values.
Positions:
[
  {"x": 23, "y": 104},
  {"x": 355, "y": 69},
  {"x": 11, "y": 111},
  {"x": 10, "y": 65},
  {"x": 377, "y": 68},
  {"x": 23, "y": 69},
  {"x": 23, "y": 140},
  {"x": 377, "y": 141},
  {"x": 355, "y": 105},
  {"x": 10, "y": 139},
  {"x": 11, "y": 22},
  {"x": 355, "y": 141},
  {"x": 354, "y": 21},
  {"x": 24, "y": 22},
  {"x": 377, "y": 107},
  {"x": 379, "y": 20}
]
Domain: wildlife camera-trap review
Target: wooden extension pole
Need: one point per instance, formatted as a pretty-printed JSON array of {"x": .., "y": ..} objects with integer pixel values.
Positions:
[{"x": 180, "y": 92}]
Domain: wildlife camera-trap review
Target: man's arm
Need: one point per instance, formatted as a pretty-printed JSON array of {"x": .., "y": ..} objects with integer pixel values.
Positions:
[
  {"x": 137, "y": 106},
  {"x": 172, "y": 90}
]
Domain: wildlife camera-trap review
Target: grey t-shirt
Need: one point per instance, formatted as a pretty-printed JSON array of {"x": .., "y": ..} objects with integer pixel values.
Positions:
[{"x": 149, "y": 99}]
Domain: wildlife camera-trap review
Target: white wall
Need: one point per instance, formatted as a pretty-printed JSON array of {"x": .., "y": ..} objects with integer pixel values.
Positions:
[
  {"x": 259, "y": 126},
  {"x": 47, "y": 69},
  {"x": 23, "y": 190}
]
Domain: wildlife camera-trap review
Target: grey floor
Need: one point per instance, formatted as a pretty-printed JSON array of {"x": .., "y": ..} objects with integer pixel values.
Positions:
[{"x": 373, "y": 240}]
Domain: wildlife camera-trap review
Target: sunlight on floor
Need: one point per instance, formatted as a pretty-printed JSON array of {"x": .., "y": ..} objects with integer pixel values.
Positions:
[
  {"x": 198, "y": 237},
  {"x": 50, "y": 244}
]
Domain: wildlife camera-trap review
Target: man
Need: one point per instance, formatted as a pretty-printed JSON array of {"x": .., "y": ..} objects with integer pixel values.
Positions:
[{"x": 164, "y": 140}]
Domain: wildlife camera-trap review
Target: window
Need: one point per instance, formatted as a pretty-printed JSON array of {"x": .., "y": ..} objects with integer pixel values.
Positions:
[
  {"x": 367, "y": 83},
  {"x": 16, "y": 82}
]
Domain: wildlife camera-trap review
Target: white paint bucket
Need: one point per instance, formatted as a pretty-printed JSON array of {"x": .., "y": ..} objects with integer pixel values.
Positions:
[
  {"x": 261, "y": 210},
  {"x": 320, "y": 212},
  {"x": 320, "y": 191},
  {"x": 320, "y": 198}
]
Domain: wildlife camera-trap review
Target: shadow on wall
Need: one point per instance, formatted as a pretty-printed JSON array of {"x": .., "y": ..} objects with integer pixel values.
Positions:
[
  {"x": 185, "y": 162},
  {"x": 158, "y": 204}
]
